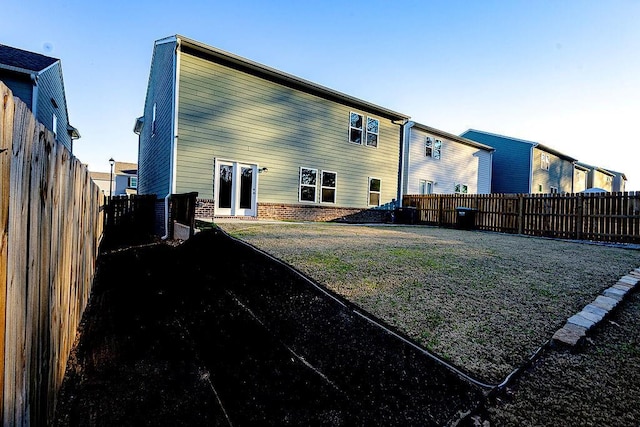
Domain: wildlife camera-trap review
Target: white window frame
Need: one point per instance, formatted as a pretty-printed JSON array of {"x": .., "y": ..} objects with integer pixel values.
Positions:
[
  {"x": 425, "y": 186},
  {"x": 437, "y": 149},
  {"x": 368, "y": 132},
  {"x": 458, "y": 187},
  {"x": 433, "y": 148},
  {"x": 545, "y": 161},
  {"x": 153, "y": 119},
  {"x": 369, "y": 192},
  {"x": 361, "y": 129},
  {"x": 55, "y": 126},
  {"x": 364, "y": 130},
  {"x": 133, "y": 182},
  {"x": 315, "y": 186},
  {"x": 334, "y": 188}
]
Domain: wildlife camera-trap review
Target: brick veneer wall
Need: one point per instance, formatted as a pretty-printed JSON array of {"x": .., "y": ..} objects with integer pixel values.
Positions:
[{"x": 282, "y": 211}]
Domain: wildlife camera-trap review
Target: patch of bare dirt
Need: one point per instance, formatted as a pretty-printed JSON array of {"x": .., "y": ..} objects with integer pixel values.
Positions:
[{"x": 213, "y": 333}]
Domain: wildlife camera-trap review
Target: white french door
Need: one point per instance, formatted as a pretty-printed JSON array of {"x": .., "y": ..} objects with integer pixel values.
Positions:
[{"x": 235, "y": 188}]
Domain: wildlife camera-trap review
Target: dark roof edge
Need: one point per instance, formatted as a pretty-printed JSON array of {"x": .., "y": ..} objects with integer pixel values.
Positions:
[
  {"x": 532, "y": 143},
  {"x": 288, "y": 79},
  {"x": 451, "y": 136}
]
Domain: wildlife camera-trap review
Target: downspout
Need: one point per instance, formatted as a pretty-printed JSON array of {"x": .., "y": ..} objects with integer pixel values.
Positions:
[
  {"x": 174, "y": 137},
  {"x": 531, "y": 169},
  {"x": 34, "y": 95},
  {"x": 404, "y": 130}
]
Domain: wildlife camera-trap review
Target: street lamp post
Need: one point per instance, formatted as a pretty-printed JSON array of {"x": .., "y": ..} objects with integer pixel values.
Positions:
[{"x": 111, "y": 162}]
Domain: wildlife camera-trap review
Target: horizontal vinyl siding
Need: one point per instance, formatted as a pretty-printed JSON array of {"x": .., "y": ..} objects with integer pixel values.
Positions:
[
  {"x": 579, "y": 180},
  {"x": 458, "y": 164},
  {"x": 20, "y": 86},
  {"x": 600, "y": 180},
  {"x": 154, "y": 157},
  {"x": 559, "y": 175},
  {"x": 511, "y": 169},
  {"x": 50, "y": 86},
  {"x": 231, "y": 115}
]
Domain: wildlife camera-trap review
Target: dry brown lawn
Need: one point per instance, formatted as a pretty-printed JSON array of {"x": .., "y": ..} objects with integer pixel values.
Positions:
[{"x": 483, "y": 301}]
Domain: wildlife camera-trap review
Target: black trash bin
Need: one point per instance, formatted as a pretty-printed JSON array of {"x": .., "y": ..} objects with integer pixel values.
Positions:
[
  {"x": 466, "y": 218},
  {"x": 406, "y": 215}
]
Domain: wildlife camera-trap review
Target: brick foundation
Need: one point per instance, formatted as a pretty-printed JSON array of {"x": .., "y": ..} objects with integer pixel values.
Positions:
[{"x": 291, "y": 212}]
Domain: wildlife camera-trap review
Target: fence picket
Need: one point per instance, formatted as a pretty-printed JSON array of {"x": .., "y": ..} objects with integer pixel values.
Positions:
[
  {"x": 613, "y": 217},
  {"x": 45, "y": 271}
]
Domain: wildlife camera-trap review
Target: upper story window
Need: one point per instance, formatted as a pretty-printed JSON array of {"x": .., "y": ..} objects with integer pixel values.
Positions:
[
  {"x": 153, "y": 120},
  {"x": 433, "y": 148},
  {"x": 328, "y": 187},
  {"x": 133, "y": 182},
  {"x": 359, "y": 134},
  {"x": 308, "y": 184},
  {"x": 461, "y": 189},
  {"x": 545, "y": 161},
  {"x": 374, "y": 192},
  {"x": 55, "y": 127},
  {"x": 372, "y": 131}
]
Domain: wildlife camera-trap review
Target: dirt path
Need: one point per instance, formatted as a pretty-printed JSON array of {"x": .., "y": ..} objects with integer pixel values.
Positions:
[{"x": 212, "y": 333}]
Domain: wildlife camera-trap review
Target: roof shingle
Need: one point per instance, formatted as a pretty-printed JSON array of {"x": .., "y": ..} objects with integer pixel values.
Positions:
[{"x": 19, "y": 58}]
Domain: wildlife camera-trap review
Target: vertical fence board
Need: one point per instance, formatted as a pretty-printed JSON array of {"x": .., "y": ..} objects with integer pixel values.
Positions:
[
  {"x": 613, "y": 217},
  {"x": 6, "y": 140},
  {"x": 50, "y": 231}
]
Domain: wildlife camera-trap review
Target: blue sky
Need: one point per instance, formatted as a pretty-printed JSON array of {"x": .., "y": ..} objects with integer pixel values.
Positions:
[{"x": 565, "y": 73}]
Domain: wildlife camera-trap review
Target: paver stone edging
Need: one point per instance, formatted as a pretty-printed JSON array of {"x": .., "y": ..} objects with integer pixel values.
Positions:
[{"x": 574, "y": 331}]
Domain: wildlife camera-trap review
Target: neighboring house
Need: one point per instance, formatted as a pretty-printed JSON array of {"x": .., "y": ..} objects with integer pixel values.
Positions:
[
  {"x": 254, "y": 141},
  {"x": 37, "y": 80},
  {"x": 598, "y": 177},
  {"x": 521, "y": 166},
  {"x": 580, "y": 177},
  {"x": 437, "y": 162},
  {"x": 619, "y": 181},
  {"x": 124, "y": 180}
]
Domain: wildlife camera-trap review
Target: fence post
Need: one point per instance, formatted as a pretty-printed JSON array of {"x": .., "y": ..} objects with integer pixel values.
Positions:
[
  {"x": 579, "y": 216},
  {"x": 520, "y": 213},
  {"x": 440, "y": 210}
]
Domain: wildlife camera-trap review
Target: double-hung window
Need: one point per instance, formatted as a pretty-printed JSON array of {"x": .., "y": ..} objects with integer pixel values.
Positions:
[
  {"x": 361, "y": 133},
  {"x": 432, "y": 148},
  {"x": 374, "y": 192},
  {"x": 426, "y": 187},
  {"x": 461, "y": 189},
  {"x": 544, "y": 161},
  {"x": 328, "y": 187},
  {"x": 133, "y": 182},
  {"x": 308, "y": 184}
]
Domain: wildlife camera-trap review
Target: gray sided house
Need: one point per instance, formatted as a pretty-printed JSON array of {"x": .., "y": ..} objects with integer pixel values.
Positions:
[
  {"x": 598, "y": 177},
  {"x": 580, "y": 178},
  {"x": 254, "y": 141},
  {"x": 521, "y": 166},
  {"x": 37, "y": 81},
  {"x": 437, "y": 162},
  {"x": 619, "y": 181}
]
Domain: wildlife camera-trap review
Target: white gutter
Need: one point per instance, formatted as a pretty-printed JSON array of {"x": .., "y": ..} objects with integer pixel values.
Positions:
[{"x": 174, "y": 139}]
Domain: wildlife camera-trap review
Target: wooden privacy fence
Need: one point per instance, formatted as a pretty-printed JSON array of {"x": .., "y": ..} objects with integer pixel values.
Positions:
[
  {"x": 128, "y": 219},
  {"x": 50, "y": 230},
  {"x": 609, "y": 217}
]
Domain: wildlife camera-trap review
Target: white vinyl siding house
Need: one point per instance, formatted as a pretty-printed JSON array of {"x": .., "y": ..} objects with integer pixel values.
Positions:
[{"x": 436, "y": 162}]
